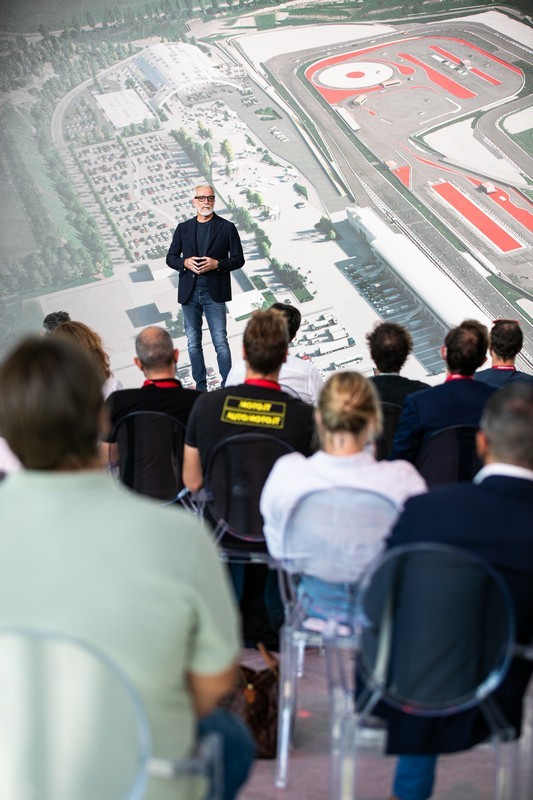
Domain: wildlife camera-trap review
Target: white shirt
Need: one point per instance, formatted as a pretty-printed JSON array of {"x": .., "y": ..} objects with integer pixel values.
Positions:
[
  {"x": 111, "y": 385},
  {"x": 505, "y": 470},
  {"x": 299, "y": 375},
  {"x": 294, "y": 475}
]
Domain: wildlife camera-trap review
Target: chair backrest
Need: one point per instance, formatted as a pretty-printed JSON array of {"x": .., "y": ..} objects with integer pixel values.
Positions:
[
  {"x": 438, "y": 628},
  {"x": 449, "y": 456},
  {"x": 234, "y": 479},
  {"x": 149, "y": 453},
  {"x": 334, "y": 533},
  {"x": 391, "y": 416},
  {"x": 72, "y": 726}
]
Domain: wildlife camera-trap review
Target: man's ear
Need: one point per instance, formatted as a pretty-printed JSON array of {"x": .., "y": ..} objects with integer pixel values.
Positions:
[
  {"x": 443, "y": 352},
  {"x": 244, "y": 354},
  {"x": 482, "y": 446},
  {"x": 137, "y": 363},
  {"x": 176, "y": 355},
  {"x": 285, "y": 356},
  {"x": 104, "y": 422}
]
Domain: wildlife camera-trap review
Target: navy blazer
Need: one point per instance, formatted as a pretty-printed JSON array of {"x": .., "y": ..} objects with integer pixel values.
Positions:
[
  {"x": 455, "y": 402},
  {"x": 395, "y": 388},
  {"x": 224, "y": 245},
  {"x": 492, "y": 519}
]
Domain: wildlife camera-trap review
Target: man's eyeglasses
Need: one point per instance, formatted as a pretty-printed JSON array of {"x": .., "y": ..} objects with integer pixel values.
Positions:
[{"x": 203, "y": 197}]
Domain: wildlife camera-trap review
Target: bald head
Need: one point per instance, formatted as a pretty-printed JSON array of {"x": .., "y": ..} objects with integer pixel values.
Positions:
[{"x": 156, "y": 355}]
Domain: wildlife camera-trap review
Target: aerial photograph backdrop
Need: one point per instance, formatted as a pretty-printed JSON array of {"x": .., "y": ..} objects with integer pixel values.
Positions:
[{"x": 375, "y": 155}]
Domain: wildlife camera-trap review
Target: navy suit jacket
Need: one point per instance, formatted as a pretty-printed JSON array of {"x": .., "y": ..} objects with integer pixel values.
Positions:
[
  {"x": 501, "y": 377},
  {"x": 224, "y": 245},
  {"x": 395, "y": 388},
  {"x": 494, "y": 520},
  {"x": 455, "y": 402}
]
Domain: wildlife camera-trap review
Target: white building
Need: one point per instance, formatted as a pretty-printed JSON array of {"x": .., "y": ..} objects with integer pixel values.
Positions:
[
  {"x": 418, "y": 274},
  {"x": 178, "y": 68}
]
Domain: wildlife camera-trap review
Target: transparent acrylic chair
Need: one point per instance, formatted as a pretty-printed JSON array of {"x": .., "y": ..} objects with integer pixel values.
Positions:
[
  {"x": 73, "y": 726},
  {"x": 330, "y": 537},
  {"x": 435, "y": 637}
]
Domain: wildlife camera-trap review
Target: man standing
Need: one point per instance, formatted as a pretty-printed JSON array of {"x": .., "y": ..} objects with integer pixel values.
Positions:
[
  {"x": 505, "y": 342},
  {"x": 204, "y": 250},
  {"x": 491, "y": 518}
]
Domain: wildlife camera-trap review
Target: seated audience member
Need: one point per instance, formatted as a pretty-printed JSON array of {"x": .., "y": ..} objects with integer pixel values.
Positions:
[
  {"x": 492, "y": 518},
  {"x": 458, "y": 401},
  {"x": 142, "y": 583},
  {"x": 505, "y": 342},
  {"x": 265, "y": 344},
  {"x": 295, "y": 373},
  {"x": 161, "y": 391},
  {"x": 232, "y": 410},
  {"x": 52, "y": 320},
  {"x": 92, "y": 343},
  {"x": 348, "y": 418},
  {"x": 389, "y": 345}
]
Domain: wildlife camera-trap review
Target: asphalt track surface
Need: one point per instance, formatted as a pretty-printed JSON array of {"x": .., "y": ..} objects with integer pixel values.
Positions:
[{"x": 359, "y": 174}]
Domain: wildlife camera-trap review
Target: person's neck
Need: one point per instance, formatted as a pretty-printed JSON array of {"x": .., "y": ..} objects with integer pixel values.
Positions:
[
  {"x": 160, "y": 374},
  {"x": 379, "y": 372},
  {"x": 341, "y": 443},
  {"x": 201, "y": 219},
  {"x": 450, "y": 374},
  {"x": 259, "y": 376},
  {"x": 502, "y": 362}
]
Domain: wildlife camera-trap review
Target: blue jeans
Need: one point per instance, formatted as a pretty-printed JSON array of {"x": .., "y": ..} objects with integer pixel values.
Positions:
[
  {"x": 414, "y": 778},
  {"x": 325, "y": 600},
  {"x": 238, "y": 748},
  {"x": 199, "y": 303}
]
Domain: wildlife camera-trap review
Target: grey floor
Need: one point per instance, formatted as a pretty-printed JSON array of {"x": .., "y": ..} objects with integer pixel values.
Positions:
[{"x": 466, "y": 776}]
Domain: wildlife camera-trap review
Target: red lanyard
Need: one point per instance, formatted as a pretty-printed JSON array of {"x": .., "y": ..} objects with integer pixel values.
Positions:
[
  {"x": 163, "y": 383},
  {"x": 264, "y": 382}
]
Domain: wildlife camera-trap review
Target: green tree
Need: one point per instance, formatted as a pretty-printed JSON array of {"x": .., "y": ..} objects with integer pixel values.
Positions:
[{"x": 227, "y": 150}]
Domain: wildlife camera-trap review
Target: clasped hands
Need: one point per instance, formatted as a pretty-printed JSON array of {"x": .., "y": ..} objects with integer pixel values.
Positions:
[{"x": 200, "y": 264}]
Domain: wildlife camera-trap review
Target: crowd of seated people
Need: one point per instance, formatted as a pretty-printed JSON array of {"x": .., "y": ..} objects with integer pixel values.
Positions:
[{"x": 182, "y": 592}]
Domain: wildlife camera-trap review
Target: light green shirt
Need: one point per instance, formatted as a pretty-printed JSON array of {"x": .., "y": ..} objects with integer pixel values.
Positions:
[{"x": 82, "y": 555}]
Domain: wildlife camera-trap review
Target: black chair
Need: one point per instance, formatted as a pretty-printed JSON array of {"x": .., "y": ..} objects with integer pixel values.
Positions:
[
  {"x": 234, "y": 478},
  {"x": 436, "y": 638},
  {"x": 391, "y": 416},
  {"x": 449, "y": 456},
  {"x": 147, "y": 454}
]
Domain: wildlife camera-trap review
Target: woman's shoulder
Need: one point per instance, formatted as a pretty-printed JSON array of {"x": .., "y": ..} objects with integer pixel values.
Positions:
[{"x": 404, "y": 475}]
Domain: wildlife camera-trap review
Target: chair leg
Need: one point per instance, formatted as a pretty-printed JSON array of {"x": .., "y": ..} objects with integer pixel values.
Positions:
[
  {"x": 287, "y": 704},
  {"x": 525, "y": 746},
  {"x": 301, "y": 658},
  {"x": 506, "y": 779},
  {"x": 342, "y": 732}
]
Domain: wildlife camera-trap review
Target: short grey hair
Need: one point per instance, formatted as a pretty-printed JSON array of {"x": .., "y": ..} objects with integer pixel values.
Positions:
[
  {"x": 154, "y": 347},
  {"x": 507, "y": 422}
]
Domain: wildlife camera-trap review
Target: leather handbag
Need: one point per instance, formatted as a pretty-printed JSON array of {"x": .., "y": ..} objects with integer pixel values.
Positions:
[{"x": 255, "y": 700}]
